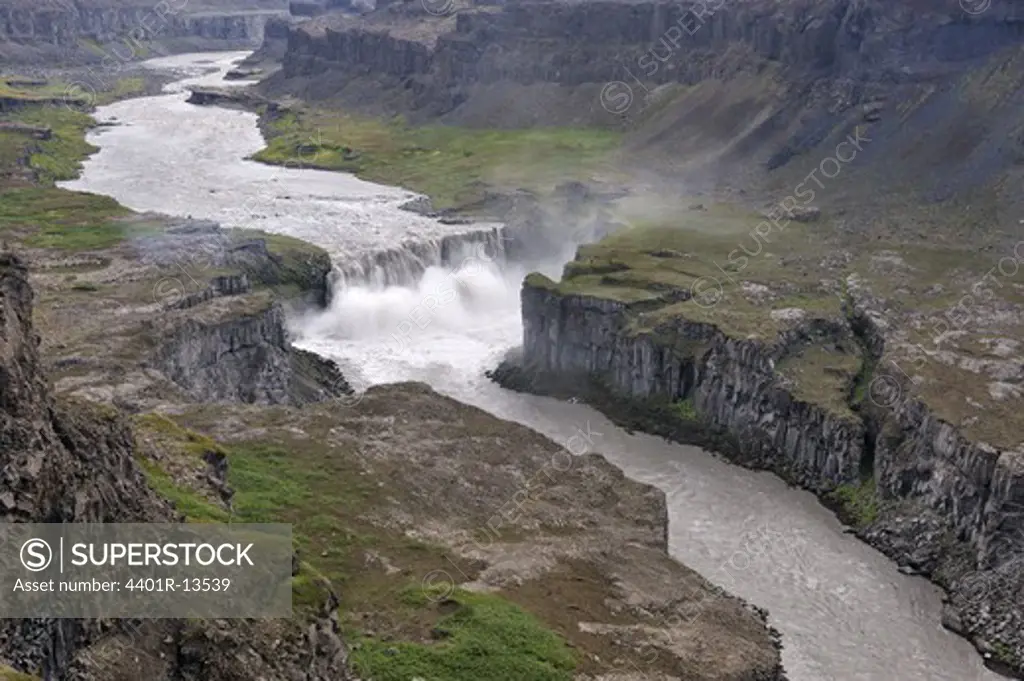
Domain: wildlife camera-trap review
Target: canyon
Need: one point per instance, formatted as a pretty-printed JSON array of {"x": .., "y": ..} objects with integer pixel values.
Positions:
[
  {"x": 837, "y": 385},
  {"x": 865, "y": 348},
  {"x": 73, "y": 32},
  {"x": 149, "y": 370}
]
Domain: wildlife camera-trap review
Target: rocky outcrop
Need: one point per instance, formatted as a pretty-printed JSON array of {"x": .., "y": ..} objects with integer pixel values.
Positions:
[
  {"x": 275, "y": 42},
  {"x": 204, "y": 244},
  {"x": 63, "y": 27},
  {"x": 229, "y": 285},
  {"x": 245, "y": 358},
  {"x": 948, "y": 507},
  {"x": 571, "y": 44},
  {"x": 229, "y": 98},
  {"x": 730, "y": 382},
  {"x": 63, "y": 461},
  {"x": 59, "y": 462}
]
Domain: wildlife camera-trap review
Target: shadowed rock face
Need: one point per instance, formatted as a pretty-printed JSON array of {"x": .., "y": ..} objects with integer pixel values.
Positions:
[
  {"x": 658, "y": 42},
  {"x": 950, "y": 508},
  {"x": 731, "y": 381},
  {"x": 59, "y": 463},
  {"x": 74, "y": 462},
  {"x": 128, "y": 30}
]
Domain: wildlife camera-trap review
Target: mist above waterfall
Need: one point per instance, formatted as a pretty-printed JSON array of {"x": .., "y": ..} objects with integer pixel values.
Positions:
[{"x": 424, "y": 308}]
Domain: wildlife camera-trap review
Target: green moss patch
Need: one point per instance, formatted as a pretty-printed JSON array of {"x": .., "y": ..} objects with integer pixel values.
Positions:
[
  {"x": 45, "y": 217},
  {"x": 449, "y": 164},
  {"x": 685, "y": 410},
  {"x": 57, "y": 158},
  {"x": 858, "y": 504},
  {"x": 195, "y": 507},
  {"x": 8, "y": 674},
  {"x": 825, "y": 375},
  {"x": 482, "y": 636}
]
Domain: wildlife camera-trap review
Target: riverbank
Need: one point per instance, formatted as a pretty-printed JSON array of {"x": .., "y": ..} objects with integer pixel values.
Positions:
[
  {"x": 830, "y": 402},
  {"x": 179, "y": 325},
  {"x": 798, "y": 363},
  {"x": 453, "y": 166}
]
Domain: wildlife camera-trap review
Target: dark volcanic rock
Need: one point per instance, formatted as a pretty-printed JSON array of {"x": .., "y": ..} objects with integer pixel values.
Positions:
[
  {"x": 949, "y": 508},
  {"x": 59, "y": 462},
  {"x": 229, "y": 97},
  {"x": 589, "y": 42},
  {"x": 72, "y": 462}
]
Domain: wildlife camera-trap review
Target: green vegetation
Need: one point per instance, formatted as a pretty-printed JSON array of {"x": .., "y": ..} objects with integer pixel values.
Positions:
[
  {"x": 824, "y": 375},
  {"x": 685, "y": 409},
  {"x": 55, "y": 92},
  {"x": 326, "y": 495},
  {"x": 1003, "y": 653},
  {"x": 484, "y": 637},
  {"x": 60, "y": 157},
  {"x": 50, "y": 160},
  {"x": 690, "y": 265},
  {"x": 449, "y": 164},
  {"x": 862, "y": 381},
  {"x": 195, "y": 508},
  {"x": 858, "y": 503},
  {"x": 191, "y": 442},
  {"x": 54, "y": 218},
  {"x": 8, "y": 674},
  {"x": 32, "y": 210},
  {"x": 124, "y": 88}
]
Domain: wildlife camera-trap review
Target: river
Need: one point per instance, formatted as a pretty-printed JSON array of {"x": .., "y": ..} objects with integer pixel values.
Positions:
[{"x": 845, "y": 612}]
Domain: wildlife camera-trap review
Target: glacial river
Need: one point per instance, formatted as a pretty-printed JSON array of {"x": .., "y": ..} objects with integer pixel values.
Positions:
[{"x": 845, "y": 612}]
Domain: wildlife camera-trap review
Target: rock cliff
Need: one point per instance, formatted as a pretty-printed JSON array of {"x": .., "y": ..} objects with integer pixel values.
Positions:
[
  {"x": 67, "y": 461},
  {"x": 127, "y": 31},
  {"x": 244, "y": 358},
  {"x": 948, "y": 507},
  {"x": 441, "y": 56},
  {"x": 730, "y": 381}
]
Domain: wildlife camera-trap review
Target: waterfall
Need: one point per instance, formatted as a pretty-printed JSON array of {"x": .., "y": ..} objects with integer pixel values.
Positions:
[{"x": 406, "y": 264}]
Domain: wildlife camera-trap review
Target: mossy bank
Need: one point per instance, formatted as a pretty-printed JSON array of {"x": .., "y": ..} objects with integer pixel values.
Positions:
[{"x": 781, "y": 361}]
